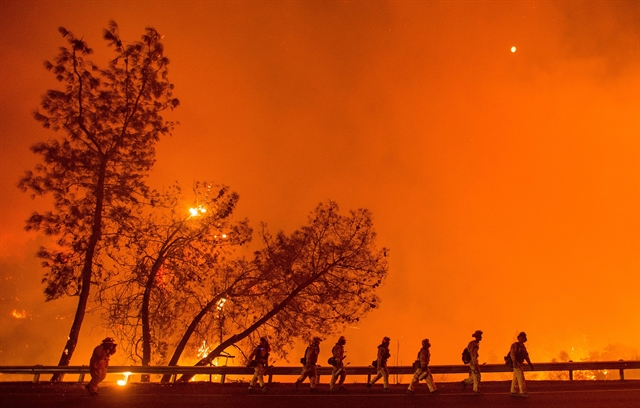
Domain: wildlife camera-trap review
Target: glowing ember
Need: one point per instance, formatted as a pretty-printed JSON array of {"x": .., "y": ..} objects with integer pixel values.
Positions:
[
  {"x": 221, "y": 303},
  {"x": 19, "y": 315},
  {"x": 160, "y": 277}
]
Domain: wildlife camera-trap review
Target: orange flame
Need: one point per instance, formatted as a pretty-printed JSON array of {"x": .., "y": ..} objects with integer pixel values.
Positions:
[{"x": 19, "y": 315}]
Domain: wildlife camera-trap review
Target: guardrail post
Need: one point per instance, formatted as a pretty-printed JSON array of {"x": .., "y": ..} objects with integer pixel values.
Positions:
[
  {"x": 222, "y": 378},
  {"x": 570, "y": 375},
  {"x": 81, "y": 378},
  {"x": 36, "y": 378},
  {"x": 270, "y": 378},
  {"x": 622, "y": 374}
]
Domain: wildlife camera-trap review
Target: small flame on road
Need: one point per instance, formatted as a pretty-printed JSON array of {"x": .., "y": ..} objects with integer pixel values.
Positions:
[{"x": 124, "y": 382}]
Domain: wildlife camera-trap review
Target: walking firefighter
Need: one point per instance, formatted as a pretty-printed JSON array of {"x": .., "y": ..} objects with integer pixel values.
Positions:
[
  {"x": 518, "y": 354},
  {"x": 309, "y": 363},
  {"x": 474, "y": 367},
  {"x": 339, "y": 373},
  {"x": 99, "y": 363},
  {"x": 422, "y": 369},
  {"x": 259, "y": 360},
  {"x": 381, "y": 365}
]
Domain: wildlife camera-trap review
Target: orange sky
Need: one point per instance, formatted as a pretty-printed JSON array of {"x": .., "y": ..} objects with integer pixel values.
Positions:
[{"x": 507, "y": 185}]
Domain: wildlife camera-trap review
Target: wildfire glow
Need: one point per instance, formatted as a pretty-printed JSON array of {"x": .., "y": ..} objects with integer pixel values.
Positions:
[
  {"x": 124, "y": 382},
  {"x": 203, "y": 350},
  {"x": 197, "y": 211},
  {"x": 221, "y": 303},
  {"x": 19, "y": 315}
]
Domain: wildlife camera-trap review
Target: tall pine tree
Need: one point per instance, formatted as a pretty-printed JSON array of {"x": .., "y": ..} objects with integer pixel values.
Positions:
[{"x": 107, "y": 122}]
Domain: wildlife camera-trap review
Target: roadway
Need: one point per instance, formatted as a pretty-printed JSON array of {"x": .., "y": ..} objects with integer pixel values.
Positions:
[{"x": 547, "y": 394}]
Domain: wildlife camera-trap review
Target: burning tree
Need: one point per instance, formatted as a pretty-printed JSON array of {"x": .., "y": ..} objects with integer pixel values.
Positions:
[
  {"x": 313, "y": 281},
  {"x": 173, "y": 259},
  {"x": 109, "y": 120}
]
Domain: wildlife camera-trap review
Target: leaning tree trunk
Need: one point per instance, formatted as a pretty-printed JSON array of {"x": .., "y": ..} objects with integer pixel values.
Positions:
[
  {"x": 187, "y": 335},
  {"x": 237, "y": 337}
]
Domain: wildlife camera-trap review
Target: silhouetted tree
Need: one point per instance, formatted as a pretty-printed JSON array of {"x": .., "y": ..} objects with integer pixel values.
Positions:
[
  {"x": 232, "y": 279},
  {"x": 172, "y": 258},
  {"x": 108, "y": 122},
  {"x": 313, "y": 281}
]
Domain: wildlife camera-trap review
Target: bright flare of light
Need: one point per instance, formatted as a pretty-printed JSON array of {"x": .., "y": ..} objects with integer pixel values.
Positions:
[
  {"x": 124, "y": 382},
  {"x": 513, "y": 49},
  {"x": 19, "y": 315},
  {"x": 221, "y": 303},
  {"x": 197, "y": 211}
]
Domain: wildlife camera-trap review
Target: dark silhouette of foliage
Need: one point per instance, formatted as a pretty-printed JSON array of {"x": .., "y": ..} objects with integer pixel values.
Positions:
[
  {"x": 311, "y": 282},
  {"x": 108, "y": 122},
  {"x": 173, "y": 258}
]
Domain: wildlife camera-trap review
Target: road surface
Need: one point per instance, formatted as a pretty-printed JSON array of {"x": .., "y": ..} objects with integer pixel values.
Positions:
[{"x": 547, "y": 394}]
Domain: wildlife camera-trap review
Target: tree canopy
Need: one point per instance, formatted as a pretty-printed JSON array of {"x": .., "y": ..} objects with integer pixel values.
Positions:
[
  {"x": 172, "y": 259},
  {"x": 107, "y": 122},
  {"x": 313, "y": 281}
]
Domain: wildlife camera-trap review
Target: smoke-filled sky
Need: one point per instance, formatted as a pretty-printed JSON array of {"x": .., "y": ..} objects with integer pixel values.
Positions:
[{"x": 506, "y": 184}]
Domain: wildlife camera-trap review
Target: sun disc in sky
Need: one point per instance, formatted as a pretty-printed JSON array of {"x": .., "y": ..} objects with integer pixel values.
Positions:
[{"x": 513, "y": 49}]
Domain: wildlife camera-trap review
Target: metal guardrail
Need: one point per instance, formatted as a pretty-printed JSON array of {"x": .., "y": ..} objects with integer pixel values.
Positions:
[{"x": 368, "y": 371}]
